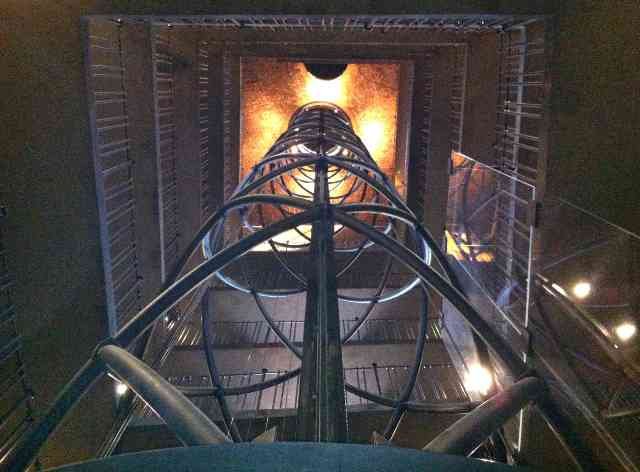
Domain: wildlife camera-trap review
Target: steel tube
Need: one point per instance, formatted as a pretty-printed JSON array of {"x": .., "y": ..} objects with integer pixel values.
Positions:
[
  {"x": 188, "y": 423},
  {"x": 399, "y": 411},
  {"x": 232, "y": 427},
  {"x": 466, "y": 434},
  {"x": 510, "y": 359},
  {"x": 143, "y": 320},
  {"x": 321, "y": 410},
  {"x": 25, "y": 454}
]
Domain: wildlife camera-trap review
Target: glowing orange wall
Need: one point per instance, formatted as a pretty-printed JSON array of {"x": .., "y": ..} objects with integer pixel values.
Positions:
[{"x": 272, "y": 91}]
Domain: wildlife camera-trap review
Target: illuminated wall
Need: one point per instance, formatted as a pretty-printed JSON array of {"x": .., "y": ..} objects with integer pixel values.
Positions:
[{"x": 272, "y": 90}]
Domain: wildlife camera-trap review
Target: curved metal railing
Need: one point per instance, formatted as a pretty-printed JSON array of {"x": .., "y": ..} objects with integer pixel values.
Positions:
[{"x": 319, "y": 192}]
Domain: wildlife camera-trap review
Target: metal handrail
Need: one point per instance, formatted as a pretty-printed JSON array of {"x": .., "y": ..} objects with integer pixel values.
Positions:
[
  {"x": 189, "y": 423},
  {"x": 464, "y": 436},
  {"x": 260, "y": 333}
]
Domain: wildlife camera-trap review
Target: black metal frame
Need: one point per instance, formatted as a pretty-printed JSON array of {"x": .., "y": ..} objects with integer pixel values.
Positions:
[{"x": 320, "y": 143}]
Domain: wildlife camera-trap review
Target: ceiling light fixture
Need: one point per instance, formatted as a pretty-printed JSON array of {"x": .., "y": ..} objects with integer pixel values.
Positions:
[
  {"x": 325, "y": 71},
  {"x": 582, "y": 289},
  {"x": 625, "y": 331}
]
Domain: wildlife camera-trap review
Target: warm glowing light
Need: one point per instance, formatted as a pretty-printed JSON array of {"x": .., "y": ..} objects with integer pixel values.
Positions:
[
  {"x": 272, "y": 90},
  {"x": 485, "y": 257},
  {"x": 304, "y": 185},
  {"x": 452, "y": 247},
  {"x": 582, "y": 289},
  {"x": 372, "y": 135},
  {"x": 266, "y": 125},
  {"x": 291, "y": 237},
  {"x": 324, "y": 90},
  {"x": 457, "y": 159},
  {"x": 625, "y": 331},
  {"x": 121, "y": 389},
  {"x": 560, "y": 290},
  {"x": 372, "y": 125},
  {"x": 478, "y": 379},
  {"x": 457, "y": 249}
]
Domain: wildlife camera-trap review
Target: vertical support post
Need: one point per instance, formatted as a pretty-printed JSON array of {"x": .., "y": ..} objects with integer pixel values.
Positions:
[
  {"x": 322, "y": 412},
  {"x": 438, "y": 156}
]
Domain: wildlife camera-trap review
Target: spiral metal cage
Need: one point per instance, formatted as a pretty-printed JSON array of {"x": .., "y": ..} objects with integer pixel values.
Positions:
[
  {"x": 320, "y": 196},
  {"x": 326, "y": 204}
]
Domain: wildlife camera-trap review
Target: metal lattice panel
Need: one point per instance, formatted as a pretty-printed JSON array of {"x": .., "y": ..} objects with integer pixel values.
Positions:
[
  {"x": 114, "y": 171},
  {"x": 358, "y": 23}
]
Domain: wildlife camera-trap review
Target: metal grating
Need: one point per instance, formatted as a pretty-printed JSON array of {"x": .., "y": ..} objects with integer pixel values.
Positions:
[
  {"x": 436, "y": 383},
  {"x": 230, "y": 175},
  {"x": 249, "y": 334},
  {"x": 334, "y": 23},
  {"x": 163, "y": 78},
  {"x": 522, "y": 94},
  {"x": 114, "y": 171},
  {"x": 424, "y": 137},
  {"x": 206, "y": 204},
  {"x": 457, "y": 96}
]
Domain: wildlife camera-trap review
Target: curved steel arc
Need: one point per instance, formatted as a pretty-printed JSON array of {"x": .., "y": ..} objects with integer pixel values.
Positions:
[
  {"x": 383, "y": 282},
  {"x": 282, "y": 158},
  {"x": 422, "y": 232},
  {"x": 234, "y": 391},
  {"x": 399, "y": 405},
  {"x": 394, "y": 421},
  {"x": 509, "y": 358},
  {"x": 254, "y": 184},
  {"x": 186, "y": 420},
  {"x": 92, "y": 370},
  {"x": 227, "y": 417},
  {"x": 286, "y": 266},
  {"x": 291, "y": 201},
  {"x": 142, "y": 321},
  {"x": 281, "y": 336},
  {"x": 426, "y": 407}
]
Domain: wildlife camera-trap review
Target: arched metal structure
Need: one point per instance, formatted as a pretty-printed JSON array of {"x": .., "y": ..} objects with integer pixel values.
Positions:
[
  {"x": 318, "y": 193},
  {"x": 320, "y": 165}
]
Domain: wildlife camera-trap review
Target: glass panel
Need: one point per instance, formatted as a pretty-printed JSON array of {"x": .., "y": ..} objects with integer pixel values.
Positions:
[
  {"x": 489, "y": 234},
  {"x": 589, "y": 274}
]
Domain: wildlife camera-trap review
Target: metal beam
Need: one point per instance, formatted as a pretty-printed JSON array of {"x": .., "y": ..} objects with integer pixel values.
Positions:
[
  {"x": 321, "y": 410},
  {"x": 469, "y": 432}
]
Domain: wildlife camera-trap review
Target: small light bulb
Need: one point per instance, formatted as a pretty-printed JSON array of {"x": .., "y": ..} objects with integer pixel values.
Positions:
[
  {"x": 121, "y": 389},
  {"x": 478, "y": 379},
  {"x": 582, "y": 289},
  {"x": 625, "y": 331}
]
